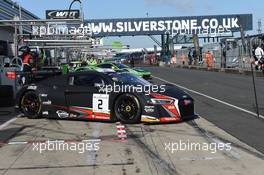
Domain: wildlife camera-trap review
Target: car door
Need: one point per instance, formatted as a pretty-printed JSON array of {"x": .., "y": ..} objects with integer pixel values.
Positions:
[
  {"x": 84, "y": 97},
  {"x": 51, "y": 92}
]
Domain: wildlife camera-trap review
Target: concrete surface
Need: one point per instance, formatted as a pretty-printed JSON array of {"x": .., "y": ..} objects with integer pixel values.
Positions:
[{"x": 143, "y": 153}]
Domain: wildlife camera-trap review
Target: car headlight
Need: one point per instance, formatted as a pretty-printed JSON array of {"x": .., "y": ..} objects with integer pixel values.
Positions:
[{"x": 161, "y": 101}]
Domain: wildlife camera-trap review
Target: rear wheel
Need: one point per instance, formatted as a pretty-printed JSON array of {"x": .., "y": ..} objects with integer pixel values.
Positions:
[
  {"x": 128, "y": 109},
  {"x": 30, "y": 105}
]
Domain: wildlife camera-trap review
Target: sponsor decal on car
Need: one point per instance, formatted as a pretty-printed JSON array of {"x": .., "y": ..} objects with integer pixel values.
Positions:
[
  {"x": 43, "y": 95},
  {"x": 62, "y": 114},
  {"x": 45, "y": 113},
  {"x": 47, "y": 102},
  {"x": 149, "y": 109},
  {"x": 101, "y": 117},
  {"x": 32, "y": 87},
  {"x": 71, "y": 115},
  {"x": 169, "y": 119},
  {"x": 90, "y": 114}
]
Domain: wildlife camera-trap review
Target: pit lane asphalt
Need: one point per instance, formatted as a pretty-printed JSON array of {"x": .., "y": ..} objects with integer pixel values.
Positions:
[
  {"x": 143, "y": 152},
  {"x": 234, "y": 89},
  {"x": 6, "y": 114}
]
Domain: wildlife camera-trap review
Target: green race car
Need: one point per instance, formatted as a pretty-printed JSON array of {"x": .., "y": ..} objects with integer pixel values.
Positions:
[
  {"x": 70, "y": 67},
  {"x": 124, "y": 68},
  {"x": 82, "y": 66},
  {"x": 86, "y": 68}
]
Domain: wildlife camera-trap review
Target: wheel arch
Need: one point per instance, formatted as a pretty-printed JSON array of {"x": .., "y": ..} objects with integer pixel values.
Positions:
[
  {"x": 22, "y": 95},
  {"x": 38, "y": 114},
  {"x": 133, "y": 94}
]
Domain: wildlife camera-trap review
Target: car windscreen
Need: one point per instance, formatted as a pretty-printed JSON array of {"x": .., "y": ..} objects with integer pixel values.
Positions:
[
  {"x": 121, "y": 66},
  {"x": 129, "y": 79},
  {"x": 105, "y": 66}
]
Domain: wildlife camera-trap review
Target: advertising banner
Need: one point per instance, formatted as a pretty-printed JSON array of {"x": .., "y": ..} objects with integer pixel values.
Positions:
[
  {"x": 203, "y": 26},
  {"x": 62, "y": 14}
]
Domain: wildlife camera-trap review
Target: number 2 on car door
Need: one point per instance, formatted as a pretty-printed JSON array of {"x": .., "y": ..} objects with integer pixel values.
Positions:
[{"x": 101, "y": 103}]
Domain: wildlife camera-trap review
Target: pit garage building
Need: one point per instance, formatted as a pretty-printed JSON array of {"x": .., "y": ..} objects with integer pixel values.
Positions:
[{"x": 10, "y": 10}]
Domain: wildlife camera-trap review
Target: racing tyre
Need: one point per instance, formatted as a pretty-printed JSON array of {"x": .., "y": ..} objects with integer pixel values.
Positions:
[
  {"x": 128, "y": 109},
  {"x": 31, "y": 105}
]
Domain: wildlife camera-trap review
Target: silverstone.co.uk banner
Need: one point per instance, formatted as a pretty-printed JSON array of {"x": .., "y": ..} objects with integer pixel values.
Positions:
[{"x": 204, "y": 26}]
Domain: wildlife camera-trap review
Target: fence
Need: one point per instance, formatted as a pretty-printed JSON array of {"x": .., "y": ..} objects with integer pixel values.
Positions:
[{"x": 236, "y": 55}]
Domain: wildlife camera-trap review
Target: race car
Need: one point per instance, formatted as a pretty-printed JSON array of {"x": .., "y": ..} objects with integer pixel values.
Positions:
[
  {"x": 105, "y": 96},
  {"x": 84, "y": 68},
  {"x": 122, "y": 67}
]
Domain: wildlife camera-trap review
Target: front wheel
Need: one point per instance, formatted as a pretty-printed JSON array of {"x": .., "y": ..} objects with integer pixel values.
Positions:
[
  {"x": 31, "y": 105},
  {"x": 128, "y": 109}
]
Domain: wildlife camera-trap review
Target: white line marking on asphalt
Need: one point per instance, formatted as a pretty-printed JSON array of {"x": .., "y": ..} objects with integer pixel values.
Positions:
[
  {"x": 92, "y": 156},
  {"x": 7, "y": 123},
  {"x": 92, "y": 140},
  {"x": 17, "y": 143},
  {"x": 212, "y": 98},
  {"x": 48, "y": 141},
  {"x": 214, "y": 139}
]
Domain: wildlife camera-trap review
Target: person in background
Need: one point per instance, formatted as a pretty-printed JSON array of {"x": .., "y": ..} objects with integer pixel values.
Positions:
[
  {"x": 92, "y": 61},
  {"x": 174, "y": 59},
  {"x": 201, "y": 57},
  {"x": 183, "y": 58},
  {"x": 24, "y": 53},
  {"x": 223, "y": 64},
  {"x": 190, "y": 58},
  {"x": 259, "y": 55},
  {"x": 259, "y": 64},
  {"x": 84, "y": 64},
  {"x": 154, "y": 60},
  {"x": 132, "y": 61},
  {"x": 102, "y": 60},
  {"x": 35, "y": 60},
  {"x": 259, "y": 52},
  {"x": 150, "y": 59},
  {"x": 209, "y": 59},
  {"x": 195, "y": 57},
  {"x": 258, "y": 59},
  {"x": 6, "y": 62}
]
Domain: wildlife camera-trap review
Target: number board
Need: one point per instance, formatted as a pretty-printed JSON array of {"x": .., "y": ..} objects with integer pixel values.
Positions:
[{"x": 101, "y": 103}]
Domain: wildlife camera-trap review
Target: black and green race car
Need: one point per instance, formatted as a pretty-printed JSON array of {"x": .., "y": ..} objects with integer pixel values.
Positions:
[{"x": 124, "y": 68}]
